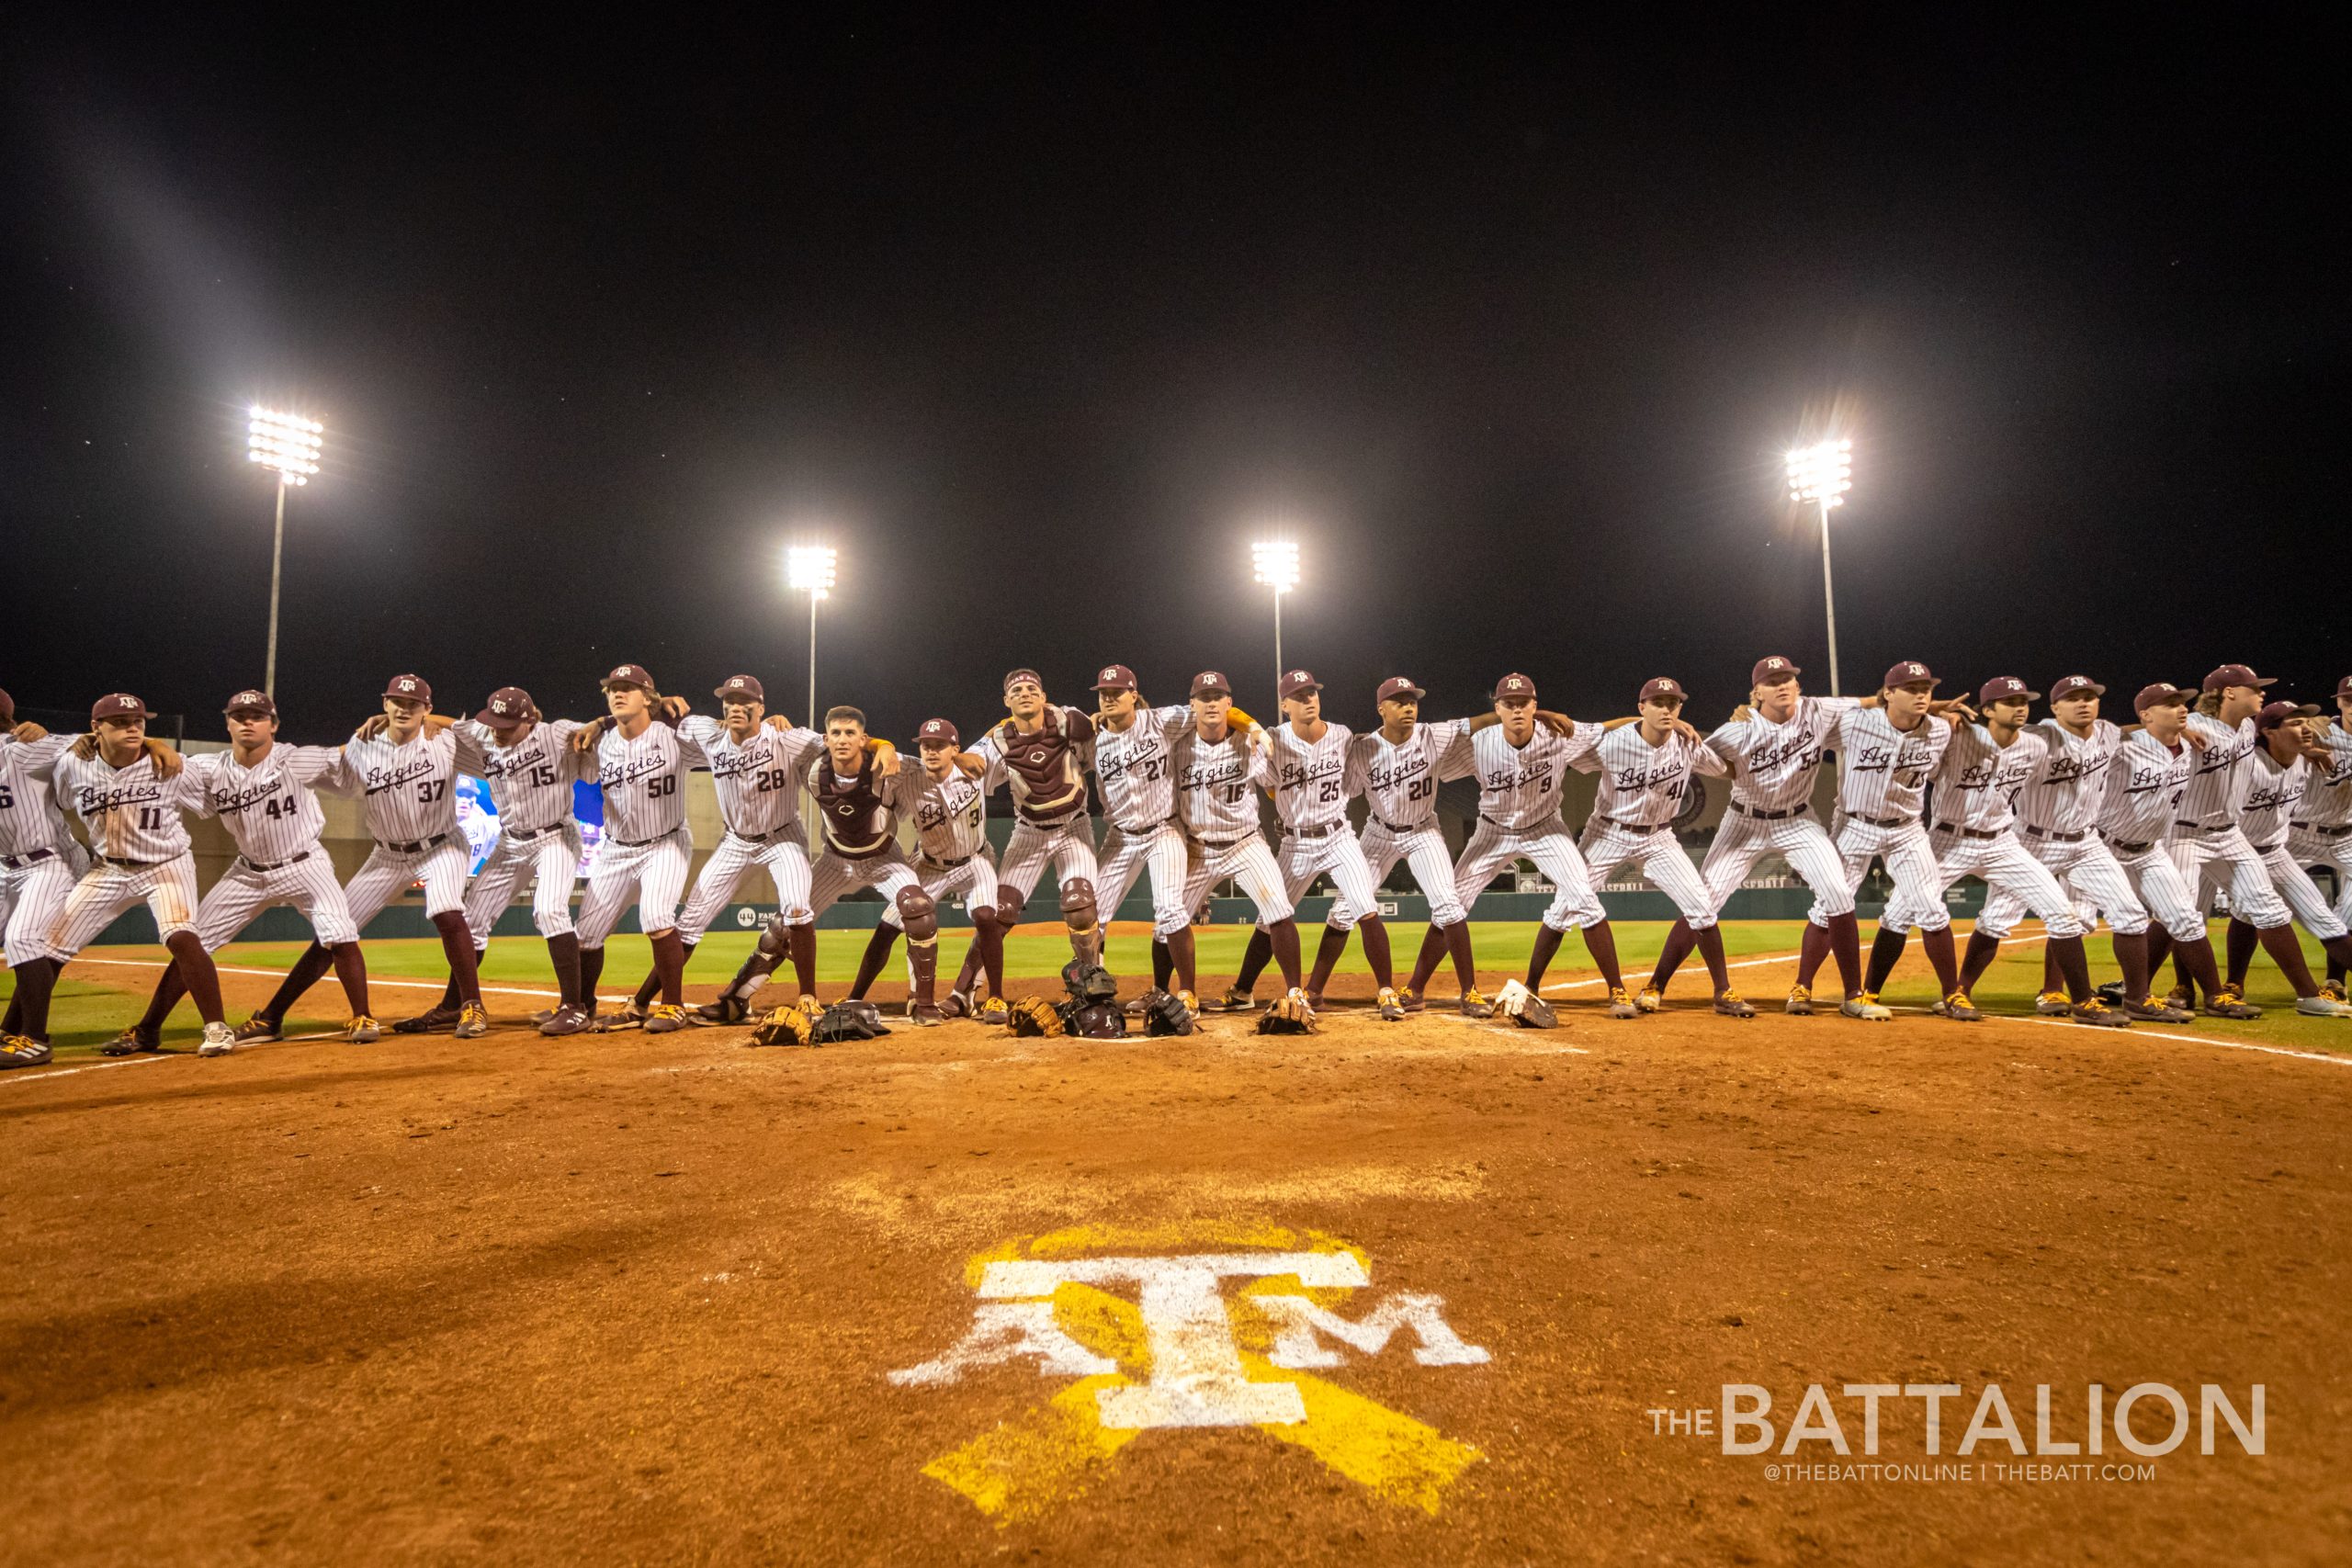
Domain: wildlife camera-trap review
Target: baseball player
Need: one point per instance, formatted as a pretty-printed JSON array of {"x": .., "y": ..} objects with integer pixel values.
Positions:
[
  {"x": 2145, "y": 781},
  {"x": 1134, "y": 770},
  {"x": 1040, "y": 751},
  {"x": 1218, "y": 771},
  {"x": 641, "y": 765},
  {"x": 1773, "y": 751},
  {"x": 1397, "y": 768},
  {"x": 953, "y": 856},
  {"x": 1645, "y": 771},
  {"x": 39, "y": 861},
  {"x": 2210, "y": 847},
  {"x": 859, "y": 791},
  {"x": 2059, "y": 808},
  {"x": 405, "y": 766},
  {"x": 2278, "y": 771},
  {"x": 528, "y": 762},
  {"x": 756, "y": 764},
  {"x": 1314, "y": 777},
  {"x": 2321, "y": 833},
  {"x": 1520, "y": 766},
  {"x": 261, "y": 791},
  {"x": 130, "y": 811}
]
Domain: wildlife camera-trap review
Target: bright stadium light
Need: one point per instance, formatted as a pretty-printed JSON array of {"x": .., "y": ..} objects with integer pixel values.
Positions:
[
  {"x": 1276, "y": 561},
  {"x": 809, "y": 569},
  {"x": 289, "y": 445},
  {"x": 1820, "y": 475}
]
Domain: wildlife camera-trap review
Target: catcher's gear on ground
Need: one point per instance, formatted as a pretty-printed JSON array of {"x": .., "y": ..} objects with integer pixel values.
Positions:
[
  {"x": 1164, "y": 1014},
  {"x": 785, "y": 1026},
  {"x": 1288, "y": 1015},
  {"x": 848, "y": 1020},
  {"x": 1524, "y": 1007},
  {"x": 728, "y": 1009},
  {"x": 1094, "y": 1021},
  {"x": 1033, "y": 1016},
  {"x": 1087, "y": 981}
]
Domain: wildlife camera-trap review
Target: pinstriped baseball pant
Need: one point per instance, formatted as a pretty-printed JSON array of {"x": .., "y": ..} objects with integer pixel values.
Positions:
[
  {"x": 2089, "y": 872},
  {"x": 1249, "y": 862},
  {"x": 1661, "y": 858},
  {"x": 2312, "y": 848},
  {"x": 1801, "y": 840},
  {"x": 975, "y": 879},
  {"x": 106, "y": 890},
  {"x": 2002, "y": 862},
  {"x": 550, "y": 860},
  {"x": 307, "y": 883},
  {"x": 1422, "y": 848},
  {"x": 1491, "y": 851},
  {"x": 2294, "y": 885},
  {"x": 32, "y": 898},
  {"x": 1165, "y": 851},
  {"x": 2207, "y": 859},
  {"x": 387, "y": 873},
  {"x": 655, "y": 871},
  {"x": 1069, "y": 847},
  {"x": 785, "y": 861},
  {"x": 1337, "y": 855}
]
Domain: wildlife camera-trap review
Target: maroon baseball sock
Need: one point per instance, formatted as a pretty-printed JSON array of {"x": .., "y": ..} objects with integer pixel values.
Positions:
[
  {"x": 28, "y": 1010},
  {"x": 1886, "y": 947},
  {"x": 1982, "y": 951},
  {"x": 877, "y": 951},
  {"x": 1539, "y": 957},
  {"x": 1181, "y": 958},
  {"x": 1938, "y": 943},
  {"x": 563, "y": 956},
  {"x": 1375, "y": 931},
  {"x": 1284, "y": 937},
  {"x": 350, "y": 968},
  {"x": 2242, "y": 941},
  {"x": 458, "y": 944},
  {"x": 1254, "y": 958},
  {"x": 1425, "y": 962},
  {"x": 1679, "y": 939},
  {"x": 196, "y": 970},
  {"x": 669, "y": 962},
  {"x": 1465, "y": 963},
  {"x": 1328, "y": 948},
  {"x": 2285, "y": 952},
  {"x": 1711, "y": 948},
  {"x": 1811, "y": 950},
  {"x": 2132, "y": 957},
  {"x": 1600, "y": 941}
]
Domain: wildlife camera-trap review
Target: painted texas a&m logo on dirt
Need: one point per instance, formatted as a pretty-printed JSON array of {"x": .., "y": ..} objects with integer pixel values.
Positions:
[{"x": 1210, "y": 1324}]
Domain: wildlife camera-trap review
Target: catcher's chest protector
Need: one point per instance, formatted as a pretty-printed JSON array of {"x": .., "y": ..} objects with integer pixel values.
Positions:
[
  {"x": 1047, "y": 774},
  {"x": 857, "y": 818}
]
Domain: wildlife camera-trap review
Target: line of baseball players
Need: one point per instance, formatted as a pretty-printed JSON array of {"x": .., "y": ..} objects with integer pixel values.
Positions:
[{"x": 2071, "y": 818}]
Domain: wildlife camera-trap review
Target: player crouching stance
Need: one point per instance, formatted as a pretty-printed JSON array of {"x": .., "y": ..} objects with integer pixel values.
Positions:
[
  {"x": 1521, "y": 765},
  {"x": 261, "y": 791},
  {"x": 131, "y": 806},
  {"x": 952, "y": 857},
  {"x": 1645, "y": 773},
  {"x": 1219, "y": 773},
  {"x": 1040, "y": 751}
]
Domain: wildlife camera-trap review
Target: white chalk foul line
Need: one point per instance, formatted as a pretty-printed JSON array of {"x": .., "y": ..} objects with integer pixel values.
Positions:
[
  {"x": 1759, "y": 963},
  {"x": 373, "y": 980}
]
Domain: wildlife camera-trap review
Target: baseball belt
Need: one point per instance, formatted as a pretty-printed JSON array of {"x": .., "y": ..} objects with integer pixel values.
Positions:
[
  {"x": 2124, "y": 846},
  {"x": 1224, "y": 843},
  {"x": 253, "y": 864},
  {"x": 18, "y": 863},
  {"x": 1887, "y": 821},
  {"x": 526, "y": 835},
  {"x": 2191, "y": 827},
  {"x": 1136, "y": 832},
  {"x": 1325, "y": 832},
  {"x": 937, "y": 864},
  {"x": 2300, "y": 827},
  {"x": 1770, "y": 816},
  {"x": 131, "y": 864},
  {"x": 2270, "y": 848},
  {"x": 1633, "y": 827},
  {"x": 1980, "y": 833},
  {"x": 2033, "y": 832},
  {"x": 1535, "y": 829},
  {"x": 408, "y": 849}
]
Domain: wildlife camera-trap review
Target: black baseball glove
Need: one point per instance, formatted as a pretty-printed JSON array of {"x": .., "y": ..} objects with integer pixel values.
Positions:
[
  {"x": 849, "y": 1020},
  {"x": 1164, "y": 1013}
]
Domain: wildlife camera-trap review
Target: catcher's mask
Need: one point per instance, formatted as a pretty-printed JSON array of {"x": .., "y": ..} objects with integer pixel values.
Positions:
[
  {"x": 1089, "y": 982},
  {"x": 1096, "y": 1021}
]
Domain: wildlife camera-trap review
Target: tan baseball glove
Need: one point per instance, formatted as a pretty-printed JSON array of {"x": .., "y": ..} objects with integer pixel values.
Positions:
[
  {"x": 1033, "y": 1016},
  {"x": 785, "y": 1026},
  {"x": 1288, "y": 1015}
]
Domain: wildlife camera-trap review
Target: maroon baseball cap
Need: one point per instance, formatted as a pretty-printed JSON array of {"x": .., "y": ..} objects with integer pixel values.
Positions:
[
  {"x": 117, "y": 704},
  {"x": 1909, "y": 672},
  {"x": 629, "y": 675},
  {"x": 410, "y": 689},
  {"x": 938, "y": 729},
  {"x": 1114, "y": 678},
  {"x": 1209, "y": 683},
  {"x": 2273, "y": 715},
  {"x": 7, "y": 706},
  {"x": 1397, "y": 686},
  {"x": 2343, "y": 688},
  {"x": 1014, "y": 678},
  {"x": 1773, "y": 671},
  {"x": 2236, "y": 675},
  {"x": 1662, "y": 687},
  {"x": 508, "y": 706},
  {"x": 1514, "y": 685},
  {"x": 742, "y": 689},
  {"x": 2158, "y": 695},
  {"x": 1296, "y": 684},
  {"x": 2005, "y": 689},
  {"x": 251, "y": 701},
  {"x": 2074, "y": 685}
]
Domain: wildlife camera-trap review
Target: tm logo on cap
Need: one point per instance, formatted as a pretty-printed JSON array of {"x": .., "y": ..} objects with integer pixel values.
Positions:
[
  {"x": 1916, "y": 669},
  {"x": 406, "y": 684},
  {"x": 1108, "y": 675},
  {"x": 1774, "y": 663},
  {"x": 619, "y": 670}
]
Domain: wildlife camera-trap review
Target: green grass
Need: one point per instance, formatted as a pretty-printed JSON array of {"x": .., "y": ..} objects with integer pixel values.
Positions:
[{"x": 86, "y": 1012}]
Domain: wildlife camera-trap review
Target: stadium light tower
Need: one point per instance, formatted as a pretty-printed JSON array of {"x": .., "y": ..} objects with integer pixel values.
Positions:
[
  {"x": 1820, "y": 475},
  {"x": 287, "y": 445},
  {"x": 1277, "y": 564},
  {"x": 809, "y": 570}
]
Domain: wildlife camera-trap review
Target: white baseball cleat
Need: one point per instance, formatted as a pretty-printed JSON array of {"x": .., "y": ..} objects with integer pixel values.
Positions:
[
  {"x": 219, "y": 1041},
  {"x": 2322, "y": 1007},
  {"x": 1865, "y": 1006}
]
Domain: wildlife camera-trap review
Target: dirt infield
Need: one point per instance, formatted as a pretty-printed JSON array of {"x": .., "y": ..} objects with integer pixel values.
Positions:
[{"x": 633, "y": 1298}]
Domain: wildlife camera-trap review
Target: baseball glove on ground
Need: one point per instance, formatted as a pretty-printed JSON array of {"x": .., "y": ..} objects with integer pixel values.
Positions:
[
  {"x": 1089, "y": 982},
  {"x": 1094, "y": 1021},
  {"x": 1164, "y": 1014},
  {"x": 785, "y": 1026},
  {"x": 1032, "y": 1016},
  {"x": 1288, "y": 1015},
  {"x": 1524, "y": 1007},
  {"x": 848, "y": 1020}
]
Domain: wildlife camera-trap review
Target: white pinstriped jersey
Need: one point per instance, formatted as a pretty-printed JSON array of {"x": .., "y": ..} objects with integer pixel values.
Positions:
[
  {"x": 268, "y": 809},
  {"x": 1399, "y": 779},
  {"x": 1643, "y": 785},
  {"x": 1978, "y": 782},
  {"x": 1135, "y": 768},
  {"x": 2064, "y": 793},
  {"x": 129, "y": 812},
  {"x": 1772, "y": 765},
  {"x": 1518, "y": 786},
  {"x": 29, "y": 815},
  {"x": 1884, "y": 769},
  {"x": 950, "y": 814},
  {"x": 2272, "y": 793},
  {"x": 643, "y": 781},
  {"x": 2327, "y": 800},
  {"x": 1311, "y": 785},
  {"x": 410, "y": 790},
  {"x": 530, "y": 781},
  {"x": 2145, "y": 782},
  {"x": 1215, "y": 796},
  {"x": 2218, "y": 781},
  {"x": 758, "y": 780}
]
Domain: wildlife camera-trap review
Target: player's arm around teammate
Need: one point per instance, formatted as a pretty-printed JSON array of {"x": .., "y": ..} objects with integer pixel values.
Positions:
[
  {"x": 2321, "y": 834},
  {"x": 1042, "y": 749},
  {"x": 1218, "y": 771},
  {"x": 1134, "y": 760},
  {"x": 2279, "y": 771},
  {"x": 40, "y": 860}
]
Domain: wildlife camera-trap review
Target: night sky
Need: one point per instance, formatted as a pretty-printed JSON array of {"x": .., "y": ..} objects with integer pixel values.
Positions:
[{"x": 1041, "y": 327}]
